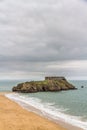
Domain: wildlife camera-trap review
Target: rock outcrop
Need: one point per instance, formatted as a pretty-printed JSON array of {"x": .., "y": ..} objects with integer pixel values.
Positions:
[{"x": 49, "y": 84}]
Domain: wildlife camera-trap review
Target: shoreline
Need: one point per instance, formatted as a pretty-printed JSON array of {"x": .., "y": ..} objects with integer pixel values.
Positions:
[
  {"x": 14, "y": 117},
  {"x": 57, "y": 125}
]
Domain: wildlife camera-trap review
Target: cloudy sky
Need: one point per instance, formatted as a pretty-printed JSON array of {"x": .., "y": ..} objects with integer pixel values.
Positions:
[{"x": 43, "y": 37}]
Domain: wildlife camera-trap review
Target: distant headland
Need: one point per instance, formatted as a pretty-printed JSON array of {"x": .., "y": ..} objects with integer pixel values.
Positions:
[{"x": 49, "y": 84}]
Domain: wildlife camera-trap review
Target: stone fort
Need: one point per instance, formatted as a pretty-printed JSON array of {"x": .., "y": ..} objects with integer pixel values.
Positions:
[{"x": 55, "y": 78}]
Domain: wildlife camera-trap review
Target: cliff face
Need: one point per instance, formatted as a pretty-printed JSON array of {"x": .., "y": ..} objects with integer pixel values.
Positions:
[{"x": 49, "y": 84}]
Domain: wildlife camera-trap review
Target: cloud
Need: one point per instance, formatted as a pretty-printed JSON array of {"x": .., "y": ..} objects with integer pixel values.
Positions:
[{"x": 36, "y": 35}]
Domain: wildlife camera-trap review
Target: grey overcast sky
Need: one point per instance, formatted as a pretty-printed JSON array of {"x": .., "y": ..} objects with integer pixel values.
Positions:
[{"x": 43, "y": 37}]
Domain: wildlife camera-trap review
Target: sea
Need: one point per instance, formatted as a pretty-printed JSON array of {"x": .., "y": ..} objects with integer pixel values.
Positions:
[{"x": 67, "y": 106}]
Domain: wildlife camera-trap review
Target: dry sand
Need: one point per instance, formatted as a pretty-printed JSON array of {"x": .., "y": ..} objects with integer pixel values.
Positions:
[{"x": 14, "y": 117}]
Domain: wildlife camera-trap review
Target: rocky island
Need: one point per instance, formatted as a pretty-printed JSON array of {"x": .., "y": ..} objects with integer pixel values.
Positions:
[{"x": 49, "y": 84}]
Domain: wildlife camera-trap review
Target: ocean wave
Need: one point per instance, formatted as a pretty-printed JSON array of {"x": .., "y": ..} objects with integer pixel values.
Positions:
[{"x": 47, "y": 109}]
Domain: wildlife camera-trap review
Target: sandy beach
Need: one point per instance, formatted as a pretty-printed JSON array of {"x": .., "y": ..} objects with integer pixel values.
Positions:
[{"x": 14, "y": 117}]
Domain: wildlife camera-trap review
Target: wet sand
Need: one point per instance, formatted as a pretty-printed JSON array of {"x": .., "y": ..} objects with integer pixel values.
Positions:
[{"x": 14, "y": 117}]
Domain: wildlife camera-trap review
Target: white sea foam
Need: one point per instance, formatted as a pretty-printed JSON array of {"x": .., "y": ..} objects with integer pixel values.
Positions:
[{"x": 47, "y": 109}]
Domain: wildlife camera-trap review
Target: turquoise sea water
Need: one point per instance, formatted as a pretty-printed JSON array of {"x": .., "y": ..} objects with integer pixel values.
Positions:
[
  {"x": 69, "y": 106},
  {"x": 7, "y": 85}
]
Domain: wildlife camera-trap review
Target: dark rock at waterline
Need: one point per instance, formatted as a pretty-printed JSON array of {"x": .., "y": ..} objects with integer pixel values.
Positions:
[
  {"x": 82, "y": 86},
  {"x": 49, "y": 84}
]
